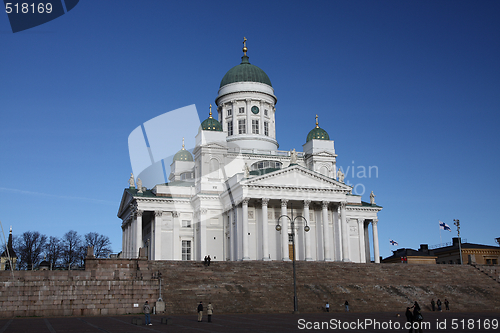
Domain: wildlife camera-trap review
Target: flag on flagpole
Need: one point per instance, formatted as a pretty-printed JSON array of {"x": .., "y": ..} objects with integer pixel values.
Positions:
[
  {"x": 444, "y": 226},
  {"x": 393, "y": 242}
]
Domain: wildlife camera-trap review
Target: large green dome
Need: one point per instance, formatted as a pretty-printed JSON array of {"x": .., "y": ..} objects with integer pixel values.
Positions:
[
  {"x": 183, "y": 155},
  {"x": 245, "y": 72}
]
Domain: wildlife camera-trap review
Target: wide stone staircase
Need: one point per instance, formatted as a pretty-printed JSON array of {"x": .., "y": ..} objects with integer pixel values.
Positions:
[{"x": 258, "y": 287}]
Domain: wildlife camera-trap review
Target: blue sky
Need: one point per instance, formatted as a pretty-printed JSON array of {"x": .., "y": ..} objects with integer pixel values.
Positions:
[{"x": 412, "y": 88}]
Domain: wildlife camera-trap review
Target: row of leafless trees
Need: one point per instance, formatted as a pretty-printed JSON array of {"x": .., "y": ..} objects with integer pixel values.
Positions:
[{"x": 67, "y": 252}]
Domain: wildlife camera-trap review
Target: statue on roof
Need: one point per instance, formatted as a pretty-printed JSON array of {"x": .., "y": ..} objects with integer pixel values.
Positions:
[
  {"x": 139, "y": 185},
  {"x": 293, "y": 157},
  {"x": 246, "y": 169},
  {"x": 372, "y": 198},
  {"x": 131, "y": 181},
  {"x": 340, "y": 175}
]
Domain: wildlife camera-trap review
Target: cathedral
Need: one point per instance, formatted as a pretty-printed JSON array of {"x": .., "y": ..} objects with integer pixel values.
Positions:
[{"x": 237, "y": 197}]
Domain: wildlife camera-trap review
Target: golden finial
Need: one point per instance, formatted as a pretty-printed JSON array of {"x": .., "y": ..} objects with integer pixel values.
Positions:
[
  {"x": 183, "y": 144},
  {"x": 210, "y": 114},
  {"x": 245, "y": 46},
  {"x": 317, "y": 126}
]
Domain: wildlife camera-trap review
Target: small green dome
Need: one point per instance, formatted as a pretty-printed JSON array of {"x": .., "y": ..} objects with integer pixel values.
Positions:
[
  {"x": 245, "y": 72},
  {"x": 211, "y": 124},
  {"x": 183, "y": 155},
  {"x": 317, "y": 133}
]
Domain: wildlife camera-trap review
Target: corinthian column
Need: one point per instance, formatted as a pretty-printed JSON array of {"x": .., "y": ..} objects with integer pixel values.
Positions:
[
  {"x": 307, "y": 236},
  {"x": 284, "y": 231},
  {"x": 138, "y": 233},
  {"x": 376, "y": 252},
  {"x": 345, "y": 233},
  {"x": 244, "y": 241},
  {"x": 361, "y": 236},
  {"x": 155, "y": 236},
  {"x": 326, "y": 231},
  {"x": 265, "y": 230}
]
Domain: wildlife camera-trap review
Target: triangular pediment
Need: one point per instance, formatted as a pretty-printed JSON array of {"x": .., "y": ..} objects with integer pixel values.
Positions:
[
  {"x": 125, "y": 202},
  {"x": 298, "y": 176}
]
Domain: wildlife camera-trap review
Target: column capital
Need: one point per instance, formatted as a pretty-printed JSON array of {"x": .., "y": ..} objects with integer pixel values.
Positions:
[
  {"x": 139, "y": 213},
  {"x": 248, "y": 100},
  {"x": 342, "y": 204},
  {"x": 245, "y": 201},
  {"x": 324, "y": 204},
  {"x": 361, "y": 221},
  {"x": 284, "y": 202},
  {"x": 307, "y": 203},
  {"x": 175, "y": 214},
  {"x": 265, "y": 201},
  {"x": 158, "y": 213},
  {"x": 374, "y": 222}
]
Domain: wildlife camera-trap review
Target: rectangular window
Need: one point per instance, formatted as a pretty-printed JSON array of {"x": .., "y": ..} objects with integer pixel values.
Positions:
[
  {"x": 265, "y": 112},
  {"x": 186, "y": 223},
  {"x": 266, "y": 128},
  {"x": 229, "y": 112},
  {"x": 242, "y": 110},
  {"x": 241, "y": 126},
  {"x": 230, "y": 128},
  {"x": 186, "y": 250},
  {"x": 255, "y": 126}
]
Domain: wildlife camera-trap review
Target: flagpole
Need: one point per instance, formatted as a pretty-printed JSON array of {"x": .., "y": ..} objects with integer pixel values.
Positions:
[{"x": 440, "y": 239}]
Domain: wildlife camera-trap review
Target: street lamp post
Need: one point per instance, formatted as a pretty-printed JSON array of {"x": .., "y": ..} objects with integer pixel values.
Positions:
[
  {"x": 457, "y": 223},
  {"x": 306, "y": 229}
]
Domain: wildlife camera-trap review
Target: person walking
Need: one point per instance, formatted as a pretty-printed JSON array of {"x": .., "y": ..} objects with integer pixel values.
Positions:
[
  {"x": 147, "y": 311},
  {"x": 346, "y": 304},
  {"x": 417, "y": 317},
  {"x": 327, "y": 307},
  {"x": 200, "y": 311},
  {"x": 433, "y": 305},
  {"x": 409, "y": 318},
  {"x": 210, "y": 310},
  {"x": 446, "y": 304},
  {"x": 439, "y": 305}
]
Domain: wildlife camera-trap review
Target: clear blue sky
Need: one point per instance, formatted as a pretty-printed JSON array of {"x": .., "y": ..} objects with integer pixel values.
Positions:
[{"x": 412, "y": 87}]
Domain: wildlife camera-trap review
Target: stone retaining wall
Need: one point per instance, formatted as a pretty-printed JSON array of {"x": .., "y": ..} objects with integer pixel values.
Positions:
[{"x": 114, "y": 286}]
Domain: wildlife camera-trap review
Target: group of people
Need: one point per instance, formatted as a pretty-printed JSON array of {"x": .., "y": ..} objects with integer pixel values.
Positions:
[
  {"x": 210, "y": 310},
  {"x": 206, "y": 261},
  {"x": 414, "y": 316},
  {"x": 346, "y": 306},
  {"x": 438, "y": 303}
]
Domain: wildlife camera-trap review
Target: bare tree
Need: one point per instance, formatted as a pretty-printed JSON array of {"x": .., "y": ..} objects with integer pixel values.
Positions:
[
  {"x": 100, "y": 243},
  {"x": 29, "y": 247},
  {"x": 72, "y": 248},
  {"x": 53, "y": 251}
]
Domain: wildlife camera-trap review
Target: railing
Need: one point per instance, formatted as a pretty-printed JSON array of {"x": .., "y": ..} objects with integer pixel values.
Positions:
[
  {"x": 263, "y": 152},
  {"x": 431, "y": 247}
]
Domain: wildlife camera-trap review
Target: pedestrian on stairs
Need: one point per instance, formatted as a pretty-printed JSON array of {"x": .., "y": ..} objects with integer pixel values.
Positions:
[
  {"x": 346, "y": 306},
  {"x": 433, "y": 305},
  {"x": 446, "y": 304},
  {"x": 439, "y": 305},
  {"x": 210, "y": 310},
  {"x": 327, "y": 307},
  {"x": 147, "y": 311},
  {"x": 200, "y": 312}
]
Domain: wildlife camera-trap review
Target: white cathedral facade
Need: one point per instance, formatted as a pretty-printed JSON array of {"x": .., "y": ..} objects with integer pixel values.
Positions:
[{"x": 227, "y": 199}]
